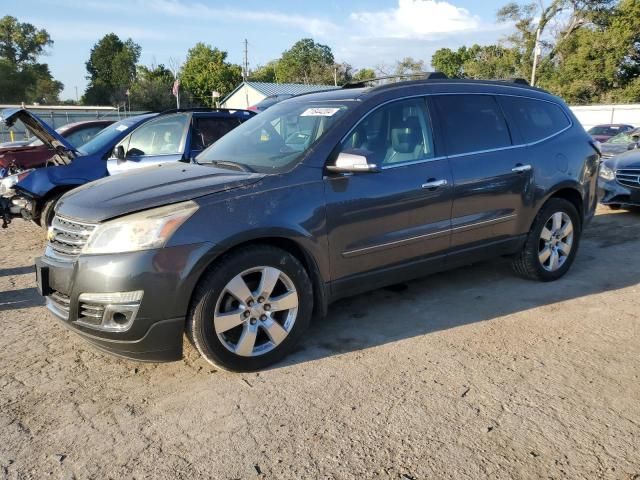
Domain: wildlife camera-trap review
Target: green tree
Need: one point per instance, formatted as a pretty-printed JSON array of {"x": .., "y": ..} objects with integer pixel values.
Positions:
[
  {"x": 112, "y": 70},
  {"x": 206, "y": 70},
  {"x": 22, "y": 79},
  {"x": 152, "y": 89},
  {"x": 306, "y": 62},
  {"x": 21, "y": 43},
  {"x": 478, "y": 62},
  {"x": 265, "y": 73},
  {"x": 364, "y": 74}
]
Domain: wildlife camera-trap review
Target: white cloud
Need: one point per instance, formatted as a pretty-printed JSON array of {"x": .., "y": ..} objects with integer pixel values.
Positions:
[{"x": 417, "y": 19}]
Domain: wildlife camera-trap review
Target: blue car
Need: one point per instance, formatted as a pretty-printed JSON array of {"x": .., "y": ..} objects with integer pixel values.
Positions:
[{"x": 143, "y": 140}]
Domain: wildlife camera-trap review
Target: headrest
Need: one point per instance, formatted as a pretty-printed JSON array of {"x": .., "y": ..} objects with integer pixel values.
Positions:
[{"x": 406, "y": 136}]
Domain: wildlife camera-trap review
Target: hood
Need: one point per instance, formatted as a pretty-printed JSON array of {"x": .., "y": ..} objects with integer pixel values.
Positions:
[
  {"x": 611, "y": 149},
  {"x": 40, "y": 129},
  {"x": 149, "y": 187},
  {"x": 628, "y": 159}
]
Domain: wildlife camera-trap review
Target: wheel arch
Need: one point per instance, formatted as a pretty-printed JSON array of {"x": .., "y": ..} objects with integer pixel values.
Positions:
[
  {"x": 291, "y": 246},
  {"x": 572, "y": 194}
]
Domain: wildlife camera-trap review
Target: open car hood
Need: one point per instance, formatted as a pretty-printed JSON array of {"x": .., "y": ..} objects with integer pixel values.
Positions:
[{"x": 40, "y": 129}]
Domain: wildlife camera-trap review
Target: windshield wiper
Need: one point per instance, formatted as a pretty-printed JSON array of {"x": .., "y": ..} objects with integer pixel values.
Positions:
[{"x": 228, "y": 163}]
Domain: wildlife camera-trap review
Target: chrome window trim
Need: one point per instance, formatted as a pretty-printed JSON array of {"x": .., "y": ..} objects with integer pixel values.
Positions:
[
  {"x": 396, "y": 243},
  {"x": 476, "y": 152}
]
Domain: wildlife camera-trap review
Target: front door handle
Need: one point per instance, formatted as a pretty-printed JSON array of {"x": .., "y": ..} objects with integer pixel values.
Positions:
[
  {"x": 521, "y": 168},
  {"x": 433, "y": 184}
]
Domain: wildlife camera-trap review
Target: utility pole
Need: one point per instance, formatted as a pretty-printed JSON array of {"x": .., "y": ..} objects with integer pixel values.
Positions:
[
  {"x": 245, "y": 63},
  {"x": 77, "y": 99},
  {"x": 537, "y": 50}
]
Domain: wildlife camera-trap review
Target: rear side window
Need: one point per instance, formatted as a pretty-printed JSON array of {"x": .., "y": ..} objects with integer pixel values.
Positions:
[
  {"x": 471, "y": 123},
  {"x": 209, "y": 129},
  {"x": 535, "y": 119}
]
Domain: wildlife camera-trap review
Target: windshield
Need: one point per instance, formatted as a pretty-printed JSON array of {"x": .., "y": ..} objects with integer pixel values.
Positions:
[
  {"x": 109, "y": 136},
  {"x": 278, "y": 138},
  {"x": 624, "y": 137}
]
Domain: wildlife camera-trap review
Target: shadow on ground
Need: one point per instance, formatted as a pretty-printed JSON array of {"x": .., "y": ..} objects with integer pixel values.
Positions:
[{"x": 475, "y": 293}]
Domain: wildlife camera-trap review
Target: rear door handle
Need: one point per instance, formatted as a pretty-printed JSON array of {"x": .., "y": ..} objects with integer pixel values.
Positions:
[
  {"x": 521, "y": 168},
  {"x": 433, "y": 184}
]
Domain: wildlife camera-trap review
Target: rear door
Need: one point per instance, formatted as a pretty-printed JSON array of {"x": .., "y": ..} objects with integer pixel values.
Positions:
[
  {"x": 160, "y": 140},
  {"x": 492, "y": 179},
  {"x": 400, "y": 214}
]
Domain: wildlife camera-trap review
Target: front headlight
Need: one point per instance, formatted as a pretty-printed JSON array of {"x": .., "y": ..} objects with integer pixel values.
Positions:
[
  {"x": 139, "y": 231},
  {"x": 7, "y": 183},
  {"x": 606, "y": 173}
]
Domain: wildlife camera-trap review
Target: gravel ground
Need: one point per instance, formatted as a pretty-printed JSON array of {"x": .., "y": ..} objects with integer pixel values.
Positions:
[{"x": 469, "y": 374}]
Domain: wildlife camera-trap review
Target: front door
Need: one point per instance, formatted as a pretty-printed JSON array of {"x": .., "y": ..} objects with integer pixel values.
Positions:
[
  {"x": 157, "y": 141},
  {"x": 382, "y": 220}
]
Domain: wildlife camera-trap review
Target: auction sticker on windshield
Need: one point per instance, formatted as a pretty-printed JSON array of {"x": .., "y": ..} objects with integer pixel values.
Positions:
[{"x": 319, "y": 112}]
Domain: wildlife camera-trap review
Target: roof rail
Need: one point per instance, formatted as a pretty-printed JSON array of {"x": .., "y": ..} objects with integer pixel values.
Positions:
[
  {"x": 411, "y": 76},
  {"x": 204, "y": 109},
  {"x": 517, "y": 80}
]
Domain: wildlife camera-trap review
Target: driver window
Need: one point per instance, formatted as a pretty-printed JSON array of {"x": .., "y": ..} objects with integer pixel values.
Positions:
[
  {"x": 162, "y": 136},
  {"x": 399, "y": 132}
]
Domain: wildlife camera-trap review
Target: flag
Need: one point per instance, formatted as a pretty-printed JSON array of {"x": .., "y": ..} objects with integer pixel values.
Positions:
[{"x": 176, "y": 87}]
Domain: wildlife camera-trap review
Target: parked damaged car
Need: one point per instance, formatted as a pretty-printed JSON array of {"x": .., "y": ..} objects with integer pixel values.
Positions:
[
  {"x": 621, "y": 143},
  {"x": 319, "y": 197},
  {"x": 135, "y": 142},
  {"x": 619, "y": 180},
  {"x": 34, "y": 153}
]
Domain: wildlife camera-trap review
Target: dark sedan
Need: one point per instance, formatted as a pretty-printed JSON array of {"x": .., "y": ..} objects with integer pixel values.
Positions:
[
  {"x": 619, "y": 181},
  {"x": 35, "y": 154}
]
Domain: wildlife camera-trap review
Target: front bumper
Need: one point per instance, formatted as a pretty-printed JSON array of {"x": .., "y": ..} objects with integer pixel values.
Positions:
[
  {"x": 166, "y": 277},
  {"x": 613, "y": 193}
]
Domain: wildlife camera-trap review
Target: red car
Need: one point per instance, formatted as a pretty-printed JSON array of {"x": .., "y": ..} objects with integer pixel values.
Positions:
[
  {"x": 604, "y": 132},
  {"x": 34, "y": 154}
]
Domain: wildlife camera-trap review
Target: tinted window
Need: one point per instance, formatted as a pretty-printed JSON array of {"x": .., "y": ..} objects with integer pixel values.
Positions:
[
  {"x": 83, "y": 135},
  {"x": 209, "y": 129},
  {"x": 535, "y": 119},
  {"x": 471, "y": 123},
  {"x": 396, "y": 133}
]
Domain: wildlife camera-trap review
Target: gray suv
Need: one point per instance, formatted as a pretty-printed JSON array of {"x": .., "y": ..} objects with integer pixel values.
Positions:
[{"x": 321, "y": 196}]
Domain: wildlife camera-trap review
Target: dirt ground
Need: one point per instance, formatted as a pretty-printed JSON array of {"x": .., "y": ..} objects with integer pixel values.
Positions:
[{"x": 469, "y": 374}]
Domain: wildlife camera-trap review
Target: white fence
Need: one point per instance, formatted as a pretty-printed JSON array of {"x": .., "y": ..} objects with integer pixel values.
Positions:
[{"x": 596, "y": 114}]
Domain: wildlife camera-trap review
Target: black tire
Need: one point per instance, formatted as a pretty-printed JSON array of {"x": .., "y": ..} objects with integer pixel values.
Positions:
[
  {"x": 200, "y": 324},
  {"x": 47, "y": 212},
  {"x": 527, "y": 263}
]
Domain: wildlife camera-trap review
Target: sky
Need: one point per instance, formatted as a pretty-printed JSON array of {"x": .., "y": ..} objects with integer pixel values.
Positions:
[{"x": 364, "y": 33}]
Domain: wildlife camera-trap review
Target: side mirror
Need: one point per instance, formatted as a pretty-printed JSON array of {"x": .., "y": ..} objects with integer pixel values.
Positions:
[
  {"x": 119, "y": 152},
  {"x": 354, "y": 161}
]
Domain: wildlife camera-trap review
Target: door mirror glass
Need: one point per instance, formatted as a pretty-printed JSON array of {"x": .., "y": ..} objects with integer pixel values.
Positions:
[
  {"x": 353, "y": 161},
  {"x": 119, "y": 152}
]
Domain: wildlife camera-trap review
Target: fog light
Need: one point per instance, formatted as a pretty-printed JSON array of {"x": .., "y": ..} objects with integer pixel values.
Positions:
[{"x": 112, "y": 312}]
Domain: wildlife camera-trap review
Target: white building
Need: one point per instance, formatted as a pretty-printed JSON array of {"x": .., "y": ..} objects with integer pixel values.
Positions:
[
  {"x": 591, "y": 115},
  {"x": 249, "y": 93}
]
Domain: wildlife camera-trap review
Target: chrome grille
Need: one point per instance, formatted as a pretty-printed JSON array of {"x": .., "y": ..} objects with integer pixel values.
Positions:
[
  {"x": 91, "y": 313},
  {"x": 67, "y": 237},
  {"x": 629, "y": 177}
]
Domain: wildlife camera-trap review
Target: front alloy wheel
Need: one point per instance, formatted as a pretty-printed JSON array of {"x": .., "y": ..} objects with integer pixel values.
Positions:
[
  {"x": 256, "y": 311},
  {"x": 250, "y": 308}
]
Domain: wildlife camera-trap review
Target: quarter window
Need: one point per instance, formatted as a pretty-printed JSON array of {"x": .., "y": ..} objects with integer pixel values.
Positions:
[
  {"x": 209, "y": 129},
  {"x": 535, "y": 119},
  {"x": 394, "y": 134},
  {"x": 471, "y": 123}
]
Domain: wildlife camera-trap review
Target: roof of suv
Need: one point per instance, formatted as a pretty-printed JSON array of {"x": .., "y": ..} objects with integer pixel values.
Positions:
[{"x": 351, "y": 93}]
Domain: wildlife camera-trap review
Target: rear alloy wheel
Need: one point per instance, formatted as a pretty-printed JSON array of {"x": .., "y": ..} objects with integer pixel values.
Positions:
[
  {"x": 552, "y": 243},
  {"x": 251, "y": 308}
]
